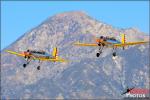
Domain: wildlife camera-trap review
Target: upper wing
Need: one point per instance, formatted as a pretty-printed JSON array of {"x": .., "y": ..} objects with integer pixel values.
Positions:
[
  {"x": 85, "y": 44},
  {"x": 15, "y": 53},
  {"x": 130, "y": 43}
]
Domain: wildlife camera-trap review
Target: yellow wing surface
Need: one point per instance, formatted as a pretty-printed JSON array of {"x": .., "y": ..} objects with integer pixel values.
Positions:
[
  {"x": 85, "y": 44},
  {"x": 130, "y": 43},
  {"x": 52, "y": 59},
  {"x": 111, "y": 44},
  {"x": 15, "y": 53},
  {"x": 58, "y": 59}
]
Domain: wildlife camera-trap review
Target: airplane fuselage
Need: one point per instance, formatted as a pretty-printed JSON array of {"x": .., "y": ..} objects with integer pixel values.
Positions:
[
  {"x": 107, "y": 41},
  {"x": 38, "y": 55}
]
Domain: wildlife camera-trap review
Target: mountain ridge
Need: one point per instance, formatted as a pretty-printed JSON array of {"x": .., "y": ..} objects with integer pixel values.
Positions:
[{"x": 80, "y": 14}]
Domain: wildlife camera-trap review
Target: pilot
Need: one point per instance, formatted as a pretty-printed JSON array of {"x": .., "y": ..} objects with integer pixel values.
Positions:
[{"x": 103, "y": 38}]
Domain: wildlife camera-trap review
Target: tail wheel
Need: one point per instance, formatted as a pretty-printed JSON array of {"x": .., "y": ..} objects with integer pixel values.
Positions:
[{"x": 38, "y": 68}]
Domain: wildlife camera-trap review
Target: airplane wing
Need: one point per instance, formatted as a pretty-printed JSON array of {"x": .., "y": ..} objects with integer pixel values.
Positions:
[
  {"x": 15, "y": 53},
  {"x": 53, "y": 59},
  {"x": 58, "y": 60},
  {"x": 85, "y": 44},
  {"x": 130, "y": 43}
]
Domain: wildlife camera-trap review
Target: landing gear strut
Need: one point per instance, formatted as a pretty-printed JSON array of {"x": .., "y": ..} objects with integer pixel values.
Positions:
[
  {"x": 38, "y": 67},
  {"x": 114, "y": 52},
  {"x": 24, "y": 65},
  {"x": 28, "y": 61},
  {"x": 100, "y": 49}
]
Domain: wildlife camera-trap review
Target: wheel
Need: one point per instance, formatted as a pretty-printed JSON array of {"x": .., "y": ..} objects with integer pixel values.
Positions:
[
  {"x": 114, "y": 54},
  {"x": 24, "y": 65},
  {"x": 28, "y": 50},
  {"x": 38, "y": 68},
  {"x": 98, "y": 54}
]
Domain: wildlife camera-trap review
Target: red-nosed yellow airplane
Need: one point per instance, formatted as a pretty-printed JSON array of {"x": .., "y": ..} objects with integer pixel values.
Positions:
[
  {"x": 38, "y": 55},
  {"x": 110, "y": 42}
]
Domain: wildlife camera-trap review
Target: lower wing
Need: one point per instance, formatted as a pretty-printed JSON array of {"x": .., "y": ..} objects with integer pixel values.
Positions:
[
  {"x": 85, "y": 44},
  {"x": 130, "y": 43},
  {"x": 15, "y": 53},
  {"x": 53, "y": 59}
]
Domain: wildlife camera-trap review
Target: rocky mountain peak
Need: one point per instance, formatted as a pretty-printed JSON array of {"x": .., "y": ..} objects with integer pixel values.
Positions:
[{"x": 71, "y": 13}]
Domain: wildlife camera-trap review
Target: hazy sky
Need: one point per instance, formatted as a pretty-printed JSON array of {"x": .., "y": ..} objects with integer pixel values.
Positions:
[{"x": 18, "y": 17}]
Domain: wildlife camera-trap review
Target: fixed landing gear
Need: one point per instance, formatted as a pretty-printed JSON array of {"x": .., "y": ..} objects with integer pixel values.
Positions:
[
  {"x": 28, "y": 61},
  {"x": 38, "y": 68},
  {"x": 114, "y": 54},
  {"x": 101, "y": 46},
  {"x": 99, "y": 53},
  {"x": 24, "y": 65}
]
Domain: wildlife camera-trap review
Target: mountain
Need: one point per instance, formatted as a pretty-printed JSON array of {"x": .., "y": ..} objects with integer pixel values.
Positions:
[{"x": 85, "y": 75}]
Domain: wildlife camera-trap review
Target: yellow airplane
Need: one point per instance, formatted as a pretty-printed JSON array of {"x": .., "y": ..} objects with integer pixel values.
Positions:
[
  {"x": 110, "y": 42},
  {"x": 38, "y": 55}
]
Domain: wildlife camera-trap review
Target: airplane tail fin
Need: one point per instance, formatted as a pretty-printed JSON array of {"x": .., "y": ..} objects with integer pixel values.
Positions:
[
  {"x": 56, "y": 57},
  {"x": 55, "y": 53},
  {"x": 123, "y": 38}
]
